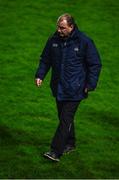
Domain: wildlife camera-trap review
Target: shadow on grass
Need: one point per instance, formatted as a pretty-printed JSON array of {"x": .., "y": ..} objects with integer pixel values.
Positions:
[
  {"x": 104, "y": 117},
  {"x": 25, "y": 159},
  {"x": 11, "y": 136}
]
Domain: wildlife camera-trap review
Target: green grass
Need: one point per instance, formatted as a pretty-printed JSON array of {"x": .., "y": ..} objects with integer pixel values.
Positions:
[{"x": 28, "y": 116}]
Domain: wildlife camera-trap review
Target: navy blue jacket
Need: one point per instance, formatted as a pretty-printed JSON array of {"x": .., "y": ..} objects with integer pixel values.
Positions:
[{"x": 75, "y": 64}]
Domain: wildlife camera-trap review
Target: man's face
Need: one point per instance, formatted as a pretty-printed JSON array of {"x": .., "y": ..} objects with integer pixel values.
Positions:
[{"x": 63, "y": 28}]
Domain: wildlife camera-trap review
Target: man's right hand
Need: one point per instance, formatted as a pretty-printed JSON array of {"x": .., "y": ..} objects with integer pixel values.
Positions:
[{"x": 38, "y": 82}]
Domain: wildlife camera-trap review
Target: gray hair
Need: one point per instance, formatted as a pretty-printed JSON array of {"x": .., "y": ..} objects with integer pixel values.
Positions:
[{"x": 70, "y": 20}]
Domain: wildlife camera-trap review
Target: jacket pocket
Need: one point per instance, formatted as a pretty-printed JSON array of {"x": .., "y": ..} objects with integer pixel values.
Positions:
[{"x": 72, "y": 89}]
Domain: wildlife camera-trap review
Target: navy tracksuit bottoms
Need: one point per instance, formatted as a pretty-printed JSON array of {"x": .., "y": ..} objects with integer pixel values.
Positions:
[{"x": 65, "y": 133}]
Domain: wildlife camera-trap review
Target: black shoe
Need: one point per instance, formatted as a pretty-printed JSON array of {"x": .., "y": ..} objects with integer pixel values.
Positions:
[
  {"x": 68, "y": 149},
  {"x": 52, "y": 156}
]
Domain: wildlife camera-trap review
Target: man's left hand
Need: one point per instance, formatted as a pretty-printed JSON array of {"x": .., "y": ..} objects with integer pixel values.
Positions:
[{"x": 86, "y": 90}]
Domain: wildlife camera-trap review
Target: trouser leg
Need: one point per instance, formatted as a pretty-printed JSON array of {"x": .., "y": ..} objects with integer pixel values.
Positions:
[
  {"x": 71, "y": 138},
  {"x": 66, "y": 113}
]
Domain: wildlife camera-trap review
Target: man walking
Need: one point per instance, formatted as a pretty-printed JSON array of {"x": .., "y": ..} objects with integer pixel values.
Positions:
[{"x": 75, "y": 68}]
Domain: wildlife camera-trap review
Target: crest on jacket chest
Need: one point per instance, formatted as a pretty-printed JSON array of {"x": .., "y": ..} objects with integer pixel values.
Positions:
[
  {"x": 55, "y": 45},
  {"x": 55, "y": 51},
  {"x": 76, "y": 49}
]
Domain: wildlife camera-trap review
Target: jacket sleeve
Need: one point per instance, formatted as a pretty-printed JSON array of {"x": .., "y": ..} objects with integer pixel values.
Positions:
[
  {"x": 93, "y": 65},
  {"x": 45, "y": 62}
]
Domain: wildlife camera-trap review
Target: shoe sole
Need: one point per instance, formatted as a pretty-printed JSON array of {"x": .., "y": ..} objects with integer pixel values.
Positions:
[
  {"x": 51, "y": 158},
  {"x": 68, "y": 152}
]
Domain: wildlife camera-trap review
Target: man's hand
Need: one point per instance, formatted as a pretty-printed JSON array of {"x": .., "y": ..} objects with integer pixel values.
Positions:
[
  {"x": 38, "y": 82},
  {"x": 86, "y": 90}
]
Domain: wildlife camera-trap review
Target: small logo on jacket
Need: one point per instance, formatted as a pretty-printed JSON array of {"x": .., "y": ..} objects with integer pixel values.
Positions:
[
  {"x": 54, "y": 45},
  {"x": 76, "y": 49}
]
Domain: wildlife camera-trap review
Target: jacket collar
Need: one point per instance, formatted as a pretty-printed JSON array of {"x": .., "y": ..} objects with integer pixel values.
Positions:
[{"x": 75, "y": 33}]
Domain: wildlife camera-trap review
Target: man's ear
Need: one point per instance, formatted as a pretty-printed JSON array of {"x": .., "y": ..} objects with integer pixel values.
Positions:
[{"x": 72, "y": 26}]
